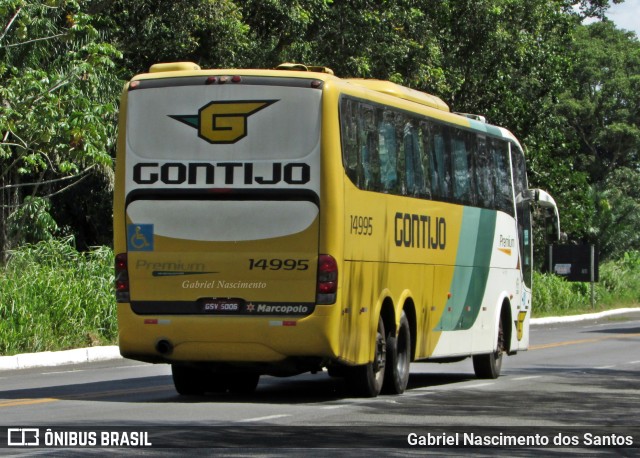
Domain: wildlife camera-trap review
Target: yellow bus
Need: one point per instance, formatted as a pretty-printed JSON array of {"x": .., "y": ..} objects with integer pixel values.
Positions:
[{"x": 287, "y": 221}]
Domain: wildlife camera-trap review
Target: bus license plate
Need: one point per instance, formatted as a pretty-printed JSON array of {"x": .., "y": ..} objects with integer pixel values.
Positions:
[{"x": 221, "y": 305}]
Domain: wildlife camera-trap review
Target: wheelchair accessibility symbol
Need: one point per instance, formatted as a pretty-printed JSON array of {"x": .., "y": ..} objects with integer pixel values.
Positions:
[{"x": 140, "y": 237}]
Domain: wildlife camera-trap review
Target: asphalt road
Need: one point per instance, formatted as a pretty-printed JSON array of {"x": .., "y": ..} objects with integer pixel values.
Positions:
[{"x": 578, "y": 382}]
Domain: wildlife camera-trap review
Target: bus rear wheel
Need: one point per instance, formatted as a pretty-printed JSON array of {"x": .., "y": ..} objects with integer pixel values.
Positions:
[
  {"x": 193, "y": 381},
  {"x": 398, "y": 364},
  {"x": 488, "y": 366},
  {"x": 366, "y": 381},
  {"x": 189, "y": 381}
]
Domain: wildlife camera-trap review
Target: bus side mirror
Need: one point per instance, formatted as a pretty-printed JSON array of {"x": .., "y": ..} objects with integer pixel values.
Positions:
[
  {"x": 552, "y": 217},
  {"x": 551, "y": 226}
]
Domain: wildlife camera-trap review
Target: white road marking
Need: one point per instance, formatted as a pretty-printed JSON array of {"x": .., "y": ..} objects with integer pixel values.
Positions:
[
  {"x": 529, "y": 377},
  {"x": 478, "y": 385},
  {"x": 268, "y": 417},
  {"x": 104, "y": 368},
  {"x": 64, "y": 372},
  {"x": 415, "y": 395},
  {"x": 450, "y": 387}
]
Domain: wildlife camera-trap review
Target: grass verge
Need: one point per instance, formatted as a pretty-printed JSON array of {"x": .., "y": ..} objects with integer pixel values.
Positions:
[
  {"x": 53, "y": 297},
  {"x": 619, "y": 286}
]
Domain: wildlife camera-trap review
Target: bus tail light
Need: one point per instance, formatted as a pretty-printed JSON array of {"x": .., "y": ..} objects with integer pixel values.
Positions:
[
  {"x": 122, "y": 278},
  {"x": 327, "y": 279}
]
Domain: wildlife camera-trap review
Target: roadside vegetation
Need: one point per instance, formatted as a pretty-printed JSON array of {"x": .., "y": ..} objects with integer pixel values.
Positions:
[
  {"x": 619, "y": 286},
  {"x": 53, "y": 297}
]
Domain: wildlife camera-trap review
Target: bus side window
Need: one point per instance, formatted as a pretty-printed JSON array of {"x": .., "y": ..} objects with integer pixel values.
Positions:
[
  {"x": 441, "y": 171},
  {"x": 485, "y": 173},
  {"x": 463, "y": 172},
  {"x": 350, "y": 144},
  {"x": 401, "y": 188},
  {"x": 370, "y": 150},
  {"x": 502, "y": 170},
  {"x": 388, "y": 152},
  {"x": 423, "y": 140},
  {"x": 415, "y": 180}
]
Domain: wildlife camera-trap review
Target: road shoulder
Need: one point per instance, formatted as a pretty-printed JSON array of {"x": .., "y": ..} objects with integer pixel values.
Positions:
[{"x": 92, "y": 354}]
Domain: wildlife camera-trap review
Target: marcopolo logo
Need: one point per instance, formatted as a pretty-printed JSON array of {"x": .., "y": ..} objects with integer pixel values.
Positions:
[{"x": 223, "y": 122}]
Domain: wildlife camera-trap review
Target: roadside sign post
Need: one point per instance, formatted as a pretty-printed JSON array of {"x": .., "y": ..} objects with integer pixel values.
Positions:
[{"x": 577, "y": 263}]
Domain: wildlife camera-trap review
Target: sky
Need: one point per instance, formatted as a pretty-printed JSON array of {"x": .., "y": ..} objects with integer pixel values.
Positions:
[{"x": 626, "y": 15}]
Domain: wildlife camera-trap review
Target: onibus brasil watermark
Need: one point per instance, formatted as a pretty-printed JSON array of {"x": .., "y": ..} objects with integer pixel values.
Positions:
[{"x": 41, "y": 437}]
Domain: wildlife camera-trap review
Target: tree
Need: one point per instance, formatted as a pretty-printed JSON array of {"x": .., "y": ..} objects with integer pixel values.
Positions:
[
  {"x": 392, "y": 40},
  {"x": 208, "y": 32},
  {"x": 615, "y": 226},
  {"x": 599, "y": 110},
  {"x": 57, "y": 108},
  {"x": 602, "y": 103},
  {"x": 285, "y": 30}
]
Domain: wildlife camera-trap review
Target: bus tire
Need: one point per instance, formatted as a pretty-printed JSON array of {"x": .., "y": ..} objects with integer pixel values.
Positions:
[
  {"x": 243, "y": 383},
  {"x": 188, "y": 381},
  {"x": 366, "y": 380},
  {"x": 397, "y": 369},
  {"x": 217, "y": 383},
  {"x": 488, "y": 366}
]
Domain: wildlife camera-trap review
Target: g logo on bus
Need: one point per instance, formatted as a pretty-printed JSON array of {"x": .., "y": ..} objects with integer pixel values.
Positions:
[{"x": 223, "y": 122}]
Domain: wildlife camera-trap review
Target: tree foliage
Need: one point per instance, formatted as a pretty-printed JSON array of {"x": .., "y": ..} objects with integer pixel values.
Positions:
[
  {"x": 600, "y": 108},
  {"x": 568, "y": 91},
  {"x": 615, "y": 222},
  {"x": 602, "y": 103},
  {"x": 210, "y": 32},
  {"x": 57, "y": 104}
]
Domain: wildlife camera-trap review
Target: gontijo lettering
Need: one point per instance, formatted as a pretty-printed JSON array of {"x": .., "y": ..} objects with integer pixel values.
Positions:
[
  {"x": 420, "y": 231},
  {"x": 199, "y": 173}
]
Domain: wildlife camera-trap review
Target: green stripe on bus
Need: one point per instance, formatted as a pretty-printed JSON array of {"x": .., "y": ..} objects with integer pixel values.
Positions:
[
  {"x": 480, "y": 275},
  {"x": 472, "y": 269}
]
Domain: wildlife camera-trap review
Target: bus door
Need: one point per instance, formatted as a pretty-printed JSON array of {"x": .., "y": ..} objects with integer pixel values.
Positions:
[{"x": 525, "y": 235}]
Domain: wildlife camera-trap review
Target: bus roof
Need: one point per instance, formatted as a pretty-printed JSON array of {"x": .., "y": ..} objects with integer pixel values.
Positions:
[
  {"x": 387, "y": 87},
  {"x": 186, "y": 69}
]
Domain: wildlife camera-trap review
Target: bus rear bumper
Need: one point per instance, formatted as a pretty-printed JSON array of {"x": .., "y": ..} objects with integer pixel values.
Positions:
[{"x": 269, "y": 342}]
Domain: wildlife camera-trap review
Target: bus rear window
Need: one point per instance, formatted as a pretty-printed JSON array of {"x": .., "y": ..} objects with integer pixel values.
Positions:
[{"x": 223, "y": 122}]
